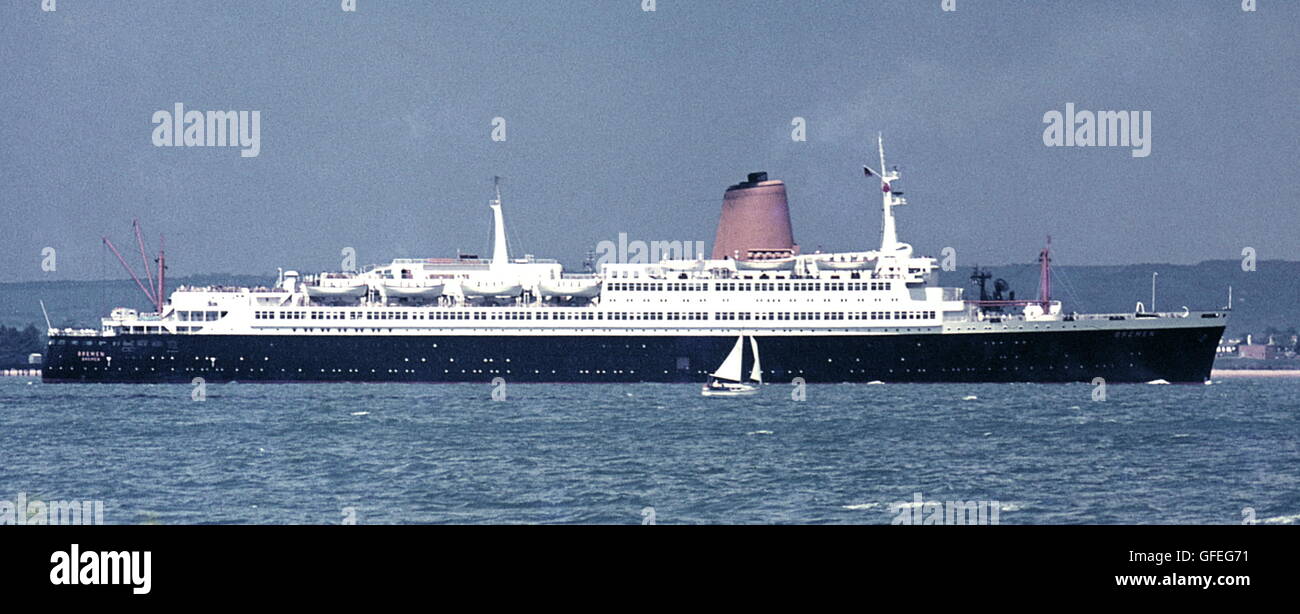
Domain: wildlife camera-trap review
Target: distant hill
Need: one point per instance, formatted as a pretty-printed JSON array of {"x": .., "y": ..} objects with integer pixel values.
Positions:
[{"x": 1267, "y": 297}]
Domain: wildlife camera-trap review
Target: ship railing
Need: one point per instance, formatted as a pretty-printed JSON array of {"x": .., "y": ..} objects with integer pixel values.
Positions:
[
  {"x": 74, "y": 332},
  {"x": 1076, "y": 317},
  {"x": 212, "y": 289},
  {"x": 1130, "y": 315}
]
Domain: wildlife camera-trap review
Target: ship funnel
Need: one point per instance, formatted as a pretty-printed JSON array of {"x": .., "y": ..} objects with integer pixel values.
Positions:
[{"x": 755, "y": 221}]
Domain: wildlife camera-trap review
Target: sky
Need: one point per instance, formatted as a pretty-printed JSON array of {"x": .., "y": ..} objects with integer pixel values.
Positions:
[{"x": 376, "y": 127}]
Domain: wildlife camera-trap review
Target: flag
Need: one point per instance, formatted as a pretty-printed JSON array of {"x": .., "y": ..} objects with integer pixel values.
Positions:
[{"x": 867, "y": 171}]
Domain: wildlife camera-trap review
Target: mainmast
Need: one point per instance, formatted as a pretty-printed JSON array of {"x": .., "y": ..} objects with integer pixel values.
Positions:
[{"x": 500, "y": 253}]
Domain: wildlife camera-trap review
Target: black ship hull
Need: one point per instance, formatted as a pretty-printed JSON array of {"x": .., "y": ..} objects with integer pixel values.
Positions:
[{"x": 1178, "y": 355}]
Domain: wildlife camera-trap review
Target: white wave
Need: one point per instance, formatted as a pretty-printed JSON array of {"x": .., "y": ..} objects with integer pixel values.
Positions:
[
  {"x": 1158, "y": 381},
  {"x": 861, "y": 506},
  {"x": 1282, "y": 519},
  {"x": 970, "y": 397},
  {"x": 359, "y": 413},
  {"x": 875, "y": 382},
  {"x": 759, "y": 433}
]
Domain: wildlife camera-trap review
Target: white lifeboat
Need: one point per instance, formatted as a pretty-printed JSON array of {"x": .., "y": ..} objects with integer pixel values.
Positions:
[
  {"x": 844, "y": 263},
  {"x": 774, "y": 264},
  {"x": 578, "y": 288},
  {"x": 407, "y": 288},
  {"x": 490, "y": 288},
  {"x": 337, "y": 287}
]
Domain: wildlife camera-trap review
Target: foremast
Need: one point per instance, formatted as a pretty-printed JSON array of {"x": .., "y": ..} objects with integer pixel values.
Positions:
[{"x": 894, "y": 255}]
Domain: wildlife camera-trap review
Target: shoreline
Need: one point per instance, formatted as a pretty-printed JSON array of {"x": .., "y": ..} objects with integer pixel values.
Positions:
[{"x": 1267, "y": 373}]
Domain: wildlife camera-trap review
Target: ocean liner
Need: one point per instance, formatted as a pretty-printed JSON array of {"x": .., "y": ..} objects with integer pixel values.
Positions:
[{"x": 860, "y": 316}]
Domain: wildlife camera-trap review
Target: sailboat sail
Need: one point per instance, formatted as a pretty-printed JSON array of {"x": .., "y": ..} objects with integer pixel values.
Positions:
[
  {"x": 756, "y": 373},
  {"x": 730, "y": 369}
]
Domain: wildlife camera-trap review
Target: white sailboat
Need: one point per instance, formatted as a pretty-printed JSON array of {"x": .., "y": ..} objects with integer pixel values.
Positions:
[{"x": 726, "y": 381}]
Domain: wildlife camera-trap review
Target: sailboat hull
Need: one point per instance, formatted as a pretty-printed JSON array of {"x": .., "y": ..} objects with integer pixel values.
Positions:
[{"x": 740, "y": 391}]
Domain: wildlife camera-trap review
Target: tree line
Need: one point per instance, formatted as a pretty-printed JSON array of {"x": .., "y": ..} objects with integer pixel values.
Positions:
[{"x": 16, "y": 343}]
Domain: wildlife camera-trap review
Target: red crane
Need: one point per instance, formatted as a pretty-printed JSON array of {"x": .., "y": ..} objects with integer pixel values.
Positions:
[{"x": 155, "y": 293}]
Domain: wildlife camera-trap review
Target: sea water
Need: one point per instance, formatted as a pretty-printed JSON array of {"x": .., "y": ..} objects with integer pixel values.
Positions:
[{"x": 630, "y": 454}]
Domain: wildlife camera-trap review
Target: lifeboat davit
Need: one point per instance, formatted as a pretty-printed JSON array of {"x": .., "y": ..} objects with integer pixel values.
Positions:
[{"x": 578, "y": 288}]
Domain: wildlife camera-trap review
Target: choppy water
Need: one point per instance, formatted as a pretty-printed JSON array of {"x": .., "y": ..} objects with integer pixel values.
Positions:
[{"x": 406, "y": 453}]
